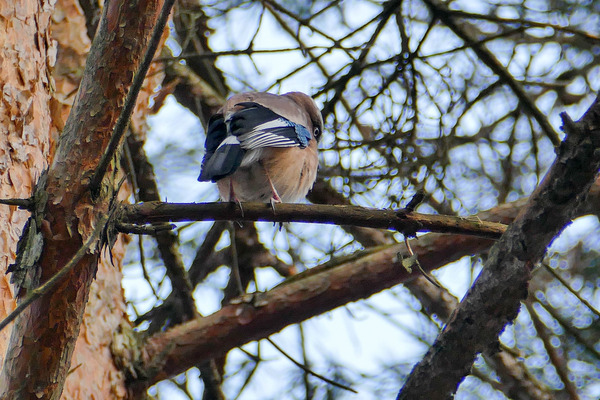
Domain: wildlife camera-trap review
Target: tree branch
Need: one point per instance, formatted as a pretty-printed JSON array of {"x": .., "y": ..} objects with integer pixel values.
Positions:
[
  {"x": 123, "y": 121},
  {"x": 306, "y": 295},
  {"x": 494, "y": 300},
  {"x": 25, "y": 204},
  {"x": 441, "y": 11},
  {"x": 406, "y": 222},
  {"x": 195, "y": 341}
]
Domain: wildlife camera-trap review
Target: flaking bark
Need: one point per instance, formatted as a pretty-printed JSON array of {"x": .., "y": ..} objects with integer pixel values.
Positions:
[{"x": 44, "y": 336}]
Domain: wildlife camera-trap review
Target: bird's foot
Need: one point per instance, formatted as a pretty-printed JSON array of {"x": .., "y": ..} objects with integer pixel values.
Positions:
[
  {"x": 274, "y": 199},
  {"x": 233, "y": 198}
]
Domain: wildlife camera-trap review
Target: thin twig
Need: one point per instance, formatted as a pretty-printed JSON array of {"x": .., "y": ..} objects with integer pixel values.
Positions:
[
  {"x": 254, "y": 358},
  {"x": 235, "y": 266},
  {"x": 416, "y": 262},
  {"x": 555, "y": 359},
  {"x": 143, "y": 264},
  {"x": 441, "y": 11},
  {"x": 415, "y": 201},
  {"x": 308, "y": 388},
  {"x": 130, "y": 100},
  {"x": 575, "y": 293},
  {"x": 21, "y": 203},
  {"x": 307, "y": 370},
  {"x": 569, "y": 328},
  {"x": 523, "y": 22},
  {"x": 52, "y": 282}
]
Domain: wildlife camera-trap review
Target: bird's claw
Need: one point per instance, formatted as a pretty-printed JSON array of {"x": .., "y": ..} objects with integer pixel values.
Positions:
[{"x": 275, "y": 199}]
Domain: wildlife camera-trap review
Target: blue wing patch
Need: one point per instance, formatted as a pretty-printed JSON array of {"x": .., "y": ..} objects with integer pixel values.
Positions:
[
  {"x": 253, "y": 127},
  {"x": 257, "y": 126}
]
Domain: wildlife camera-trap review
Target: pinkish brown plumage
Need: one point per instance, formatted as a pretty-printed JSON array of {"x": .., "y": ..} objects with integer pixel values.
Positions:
[{"x": 263, "y": 147}]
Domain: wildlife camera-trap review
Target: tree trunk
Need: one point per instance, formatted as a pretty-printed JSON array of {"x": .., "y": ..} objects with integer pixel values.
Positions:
[{"x": 43, "y": 54}]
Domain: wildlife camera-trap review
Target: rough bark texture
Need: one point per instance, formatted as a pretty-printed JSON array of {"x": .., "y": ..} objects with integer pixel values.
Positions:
[
  {"x": 30, "y": 119},
  {"x": 495, "y": 297},
  {"x": 43, "y": 337},
  {"x": 92, "y": 372},
  {"x": 26, "y": 56}
]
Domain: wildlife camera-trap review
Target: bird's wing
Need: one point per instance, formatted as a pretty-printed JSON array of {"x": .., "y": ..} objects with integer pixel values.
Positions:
[
  {"x": 257, "y": 126},
  {"x": 215, "y": 134},
  {"x": 223, "y": 153},
  {"x": 252, "y": 121}
]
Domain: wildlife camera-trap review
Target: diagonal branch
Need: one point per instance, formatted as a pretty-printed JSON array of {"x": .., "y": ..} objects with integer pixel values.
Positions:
[
  {"x": 306, "y": 295},
  {"x": 513, "y": 376},
  {"x": 494, "y": 300},
  {"x": 555, "y": 359},
  {"x": 123, "y": 121},
  {"x": 295, "y": 300}
]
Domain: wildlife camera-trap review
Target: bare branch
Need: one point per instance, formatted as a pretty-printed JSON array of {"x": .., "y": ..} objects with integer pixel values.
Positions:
[
  {"x": 440, "y": 11},
  {"x": 566, "y": 284},
  {"x": 557, "y": 361},
  {"x": 21, "y": 203},
  {"x": 408, "y": 223},
  {"x": 121, "y": 125},
  {"x": 495, "y": 297},
  {"x": 308, "y": 370}
]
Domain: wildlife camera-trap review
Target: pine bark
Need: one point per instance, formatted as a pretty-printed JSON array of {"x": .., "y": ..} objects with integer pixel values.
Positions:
[{"x": 44, "y": 347}]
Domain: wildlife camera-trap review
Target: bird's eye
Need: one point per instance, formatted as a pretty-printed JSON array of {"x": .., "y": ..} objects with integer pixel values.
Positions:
[{"x": 317, "y": 132}]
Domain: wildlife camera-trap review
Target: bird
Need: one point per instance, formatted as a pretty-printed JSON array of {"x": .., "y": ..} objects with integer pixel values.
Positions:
[{"x": 262, "y": 147}]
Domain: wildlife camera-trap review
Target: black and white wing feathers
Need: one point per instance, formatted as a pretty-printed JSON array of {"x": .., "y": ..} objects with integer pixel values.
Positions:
[{"x": 252, "y": 126}]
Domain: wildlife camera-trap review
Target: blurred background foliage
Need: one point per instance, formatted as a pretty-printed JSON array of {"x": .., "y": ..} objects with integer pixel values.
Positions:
[{"x": 460, "y": 99}]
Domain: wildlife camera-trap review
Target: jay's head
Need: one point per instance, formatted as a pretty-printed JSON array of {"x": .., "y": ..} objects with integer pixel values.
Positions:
[{"x": 309, "y": 105}]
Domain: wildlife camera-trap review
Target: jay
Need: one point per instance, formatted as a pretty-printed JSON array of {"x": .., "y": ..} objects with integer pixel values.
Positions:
[{"x": 263, "y": 147}]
